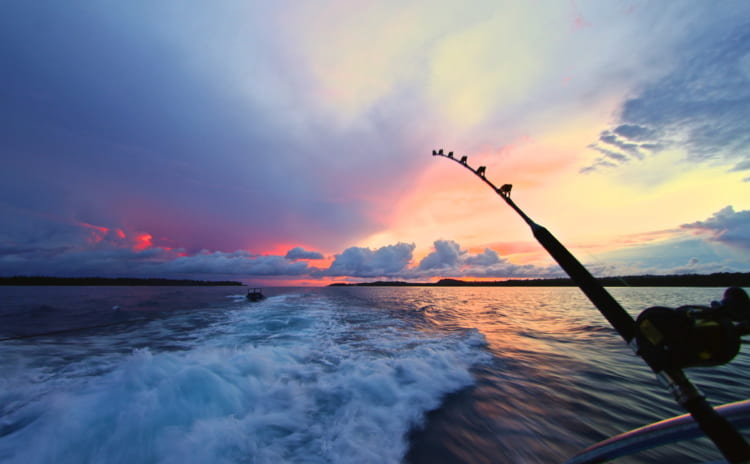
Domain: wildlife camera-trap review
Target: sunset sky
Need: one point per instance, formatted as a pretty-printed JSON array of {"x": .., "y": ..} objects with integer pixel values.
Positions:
[{"x": 289, "y": 142}]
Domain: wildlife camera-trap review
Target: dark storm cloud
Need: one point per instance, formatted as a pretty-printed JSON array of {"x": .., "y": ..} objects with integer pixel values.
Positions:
[
  {"x": 702, "y": 105},
  {"x": 160, "y": 262},
  {"x": 142, "y": 117},
  {"x": 108, "y": 260},
  {"x": 51, "y": 245},
  {"x": 82, "y": 262}
]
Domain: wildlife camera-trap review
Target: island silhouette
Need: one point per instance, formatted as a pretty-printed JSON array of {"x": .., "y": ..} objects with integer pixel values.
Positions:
[{"x": 718, "y": 279}]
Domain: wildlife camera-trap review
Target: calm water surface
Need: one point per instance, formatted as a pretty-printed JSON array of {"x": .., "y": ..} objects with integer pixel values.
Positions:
[{"x": 341, "y": 375}]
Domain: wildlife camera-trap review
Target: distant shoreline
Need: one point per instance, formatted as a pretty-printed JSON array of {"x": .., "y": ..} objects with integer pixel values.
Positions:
[
  {"x": 107, "y": 281},
  {"x": 720, "y": 279}
]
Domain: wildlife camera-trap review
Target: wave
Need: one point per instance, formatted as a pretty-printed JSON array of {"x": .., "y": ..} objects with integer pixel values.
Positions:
[{"x": 297, "y": 378}]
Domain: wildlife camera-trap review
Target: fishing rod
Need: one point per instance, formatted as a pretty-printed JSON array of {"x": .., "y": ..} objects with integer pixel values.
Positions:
[{"x": 652, "y": 336}]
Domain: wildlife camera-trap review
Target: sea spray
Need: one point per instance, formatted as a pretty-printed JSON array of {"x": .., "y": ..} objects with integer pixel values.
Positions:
[{"x": 296, "y": 378}]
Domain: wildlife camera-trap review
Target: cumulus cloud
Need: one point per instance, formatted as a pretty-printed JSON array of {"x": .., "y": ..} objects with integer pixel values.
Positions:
[
  {"x": 726, "y": 226},
  {"x": 387, "y": 261},
  {"x": 446, "y": 255},
  {"x": 448, "y": 259},
  {"x": 487, "y": 258},
  {"x": 300, "y": 253},
  {"x": 114, "y": 253},
  {"x": 57, "y": 246}
]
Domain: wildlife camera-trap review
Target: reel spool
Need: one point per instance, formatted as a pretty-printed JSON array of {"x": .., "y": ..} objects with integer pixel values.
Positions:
[{"x": 694, "y": 336}]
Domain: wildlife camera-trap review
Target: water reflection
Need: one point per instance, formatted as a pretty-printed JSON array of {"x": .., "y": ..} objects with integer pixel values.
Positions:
[{"x": 561, "y": 378}]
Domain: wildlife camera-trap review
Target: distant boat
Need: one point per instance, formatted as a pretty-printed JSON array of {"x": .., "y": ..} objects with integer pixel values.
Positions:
[{"x": 255, "y": 294}]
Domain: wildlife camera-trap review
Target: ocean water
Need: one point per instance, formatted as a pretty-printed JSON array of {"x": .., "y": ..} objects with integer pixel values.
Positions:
[{"x": 330, "y": 375}]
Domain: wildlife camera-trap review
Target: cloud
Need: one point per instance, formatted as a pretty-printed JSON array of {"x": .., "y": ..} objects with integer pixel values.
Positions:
[
  {"x": 238, "y": 263},
  {"x": 487, "y": 258},
  {"x": 387, "y": 261},
  {"x": 621, "y": 145},
  {"x": 701, "y": 106},
  {"x": 86, "y": 250},
  {"x": 612, "y": 139},
  {"x": 743, "y": 165},
  {"x": 250, "y": 125},
  {"x": 446, "y": 255},
  {"x": 449, "y": 260},
  {"x": 634, "y": 132},
  {"x": 300, "y": 253},
  {"x": 60, "y": 247},
  {"x": 216, "y": 142},
  {"x": 695, "y": 267},
  {"x": 720, "y": 243},
  {"x": 100, "y": 261},
  {"x": 127, "y": 262},
  {"x": 726, "y": 226},
  {"x": 614, "y": 156},
  {"x": 600, "y": 163}
]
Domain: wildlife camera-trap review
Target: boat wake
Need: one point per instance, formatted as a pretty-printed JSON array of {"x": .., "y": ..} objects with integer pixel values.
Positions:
[{"x": 297, "y": 379}]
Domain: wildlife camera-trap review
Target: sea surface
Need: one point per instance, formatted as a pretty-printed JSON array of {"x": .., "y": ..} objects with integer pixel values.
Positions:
[{"x": 330, "y": 375}]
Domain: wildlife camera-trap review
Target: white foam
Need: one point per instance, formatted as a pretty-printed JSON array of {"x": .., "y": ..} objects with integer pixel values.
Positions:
[{"x": 272, "y": 385}]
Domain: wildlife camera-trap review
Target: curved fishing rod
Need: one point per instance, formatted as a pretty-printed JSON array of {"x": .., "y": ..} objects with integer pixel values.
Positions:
[{"x": 726, "y": 438}]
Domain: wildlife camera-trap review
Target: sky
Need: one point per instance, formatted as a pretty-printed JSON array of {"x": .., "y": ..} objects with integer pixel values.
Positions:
[{"x": 289, "y": 142}]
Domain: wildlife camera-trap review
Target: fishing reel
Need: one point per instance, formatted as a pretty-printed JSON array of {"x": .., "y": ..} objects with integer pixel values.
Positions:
[{"x": 694, "y": 336}]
